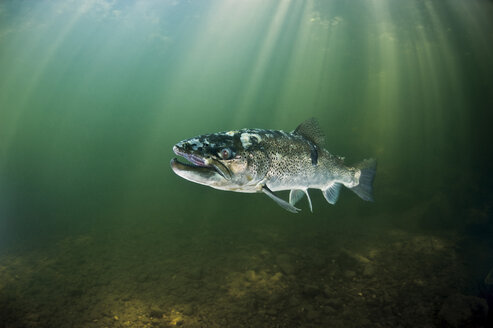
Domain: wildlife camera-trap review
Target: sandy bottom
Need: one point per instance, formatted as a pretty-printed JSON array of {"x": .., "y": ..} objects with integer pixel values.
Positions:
[{"x": 251, "y": 276}]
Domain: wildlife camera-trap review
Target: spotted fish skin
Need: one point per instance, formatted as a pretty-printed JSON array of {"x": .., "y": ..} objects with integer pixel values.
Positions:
[{"x": 259, "y": 160}]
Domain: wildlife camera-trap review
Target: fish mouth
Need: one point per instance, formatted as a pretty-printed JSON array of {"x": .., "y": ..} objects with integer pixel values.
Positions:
[
  {"x": 198, "y": 165},
  {"x": 195, "y": 161}
]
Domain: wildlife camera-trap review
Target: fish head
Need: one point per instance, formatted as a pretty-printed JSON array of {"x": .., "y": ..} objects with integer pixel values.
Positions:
[{"x": 224, "y": 160}]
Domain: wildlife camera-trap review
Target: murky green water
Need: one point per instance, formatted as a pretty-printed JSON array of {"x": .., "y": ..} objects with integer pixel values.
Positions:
[{"x": 97, "y": 231}]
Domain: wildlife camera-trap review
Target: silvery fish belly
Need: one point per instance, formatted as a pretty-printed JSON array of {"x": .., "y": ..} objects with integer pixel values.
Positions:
[{"x": 258, "y": 160}]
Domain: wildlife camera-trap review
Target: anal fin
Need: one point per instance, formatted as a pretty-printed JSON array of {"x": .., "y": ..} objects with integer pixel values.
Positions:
[
  {"x": 331, "y": 194},
  {"x": 279, "y": 201}
]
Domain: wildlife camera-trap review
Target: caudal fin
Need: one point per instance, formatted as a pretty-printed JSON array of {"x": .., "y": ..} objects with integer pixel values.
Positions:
[{"x": 365, "y": 187}]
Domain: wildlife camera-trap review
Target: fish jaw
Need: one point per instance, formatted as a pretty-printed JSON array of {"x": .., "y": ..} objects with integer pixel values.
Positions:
[
  {"x": 199, "y": 169},
  {"x": 205, "y": 175},
  {"x": 196, "y": 160},
  {"x": 204, "y": 169}
]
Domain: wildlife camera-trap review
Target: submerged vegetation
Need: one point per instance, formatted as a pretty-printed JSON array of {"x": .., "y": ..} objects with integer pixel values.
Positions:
[{"x": 246, "y": 276}]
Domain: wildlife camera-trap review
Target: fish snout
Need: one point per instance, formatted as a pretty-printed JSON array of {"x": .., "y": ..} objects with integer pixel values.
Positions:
[{"x": 181, "y": 147}]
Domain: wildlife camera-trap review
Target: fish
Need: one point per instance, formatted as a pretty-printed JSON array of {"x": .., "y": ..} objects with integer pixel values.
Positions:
[{"x": 266, "y": 161}]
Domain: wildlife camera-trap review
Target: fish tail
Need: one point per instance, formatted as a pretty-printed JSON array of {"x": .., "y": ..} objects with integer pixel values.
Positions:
[{"x": 364, "y": 189}]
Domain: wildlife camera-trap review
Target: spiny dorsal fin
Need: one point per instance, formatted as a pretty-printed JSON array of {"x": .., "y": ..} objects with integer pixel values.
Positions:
[{"x": 311, "y": 131}]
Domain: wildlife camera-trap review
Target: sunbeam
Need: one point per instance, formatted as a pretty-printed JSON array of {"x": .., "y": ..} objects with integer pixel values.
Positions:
[{"x": 100, "y": 101}]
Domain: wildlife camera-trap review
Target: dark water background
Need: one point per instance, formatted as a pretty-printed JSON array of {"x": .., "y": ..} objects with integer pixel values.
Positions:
[{"x": 93, "y": 95}]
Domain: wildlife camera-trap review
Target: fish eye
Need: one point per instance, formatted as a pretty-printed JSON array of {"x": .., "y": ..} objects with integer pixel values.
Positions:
[{"x": 225, "y": 153}]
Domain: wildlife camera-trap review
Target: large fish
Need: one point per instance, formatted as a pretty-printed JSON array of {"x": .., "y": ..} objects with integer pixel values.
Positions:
[{"x": 257, "y": 160}]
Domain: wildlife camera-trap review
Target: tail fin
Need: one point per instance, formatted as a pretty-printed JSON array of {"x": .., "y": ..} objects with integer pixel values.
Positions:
[{"x": 365, "y": 187}]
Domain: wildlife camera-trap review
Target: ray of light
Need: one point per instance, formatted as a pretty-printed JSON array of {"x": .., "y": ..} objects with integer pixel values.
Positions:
[
  {"x": 318, "y": 49},
  {"x": 383, "y": 86},
  {"x": 11, "y": 126},
  {"x": 262, "y": 60}
]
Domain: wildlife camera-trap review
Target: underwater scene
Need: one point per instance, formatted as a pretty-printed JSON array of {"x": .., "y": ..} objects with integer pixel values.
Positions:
[{"x": 246, "y": 163}]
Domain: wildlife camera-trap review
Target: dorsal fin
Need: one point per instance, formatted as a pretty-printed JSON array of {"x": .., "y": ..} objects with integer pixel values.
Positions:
[{"x": 311, "y": 131}]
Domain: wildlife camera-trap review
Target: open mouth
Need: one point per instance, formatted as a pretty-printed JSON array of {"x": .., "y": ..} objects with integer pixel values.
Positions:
[
  {"x": 194, "y": 160},
  {"x": 198, "y": 163}
]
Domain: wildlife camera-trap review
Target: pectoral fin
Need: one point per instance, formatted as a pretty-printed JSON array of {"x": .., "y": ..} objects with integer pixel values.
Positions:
[
  {"x": 296, "y": 194},
  {"x": 279, "y": 201}
]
